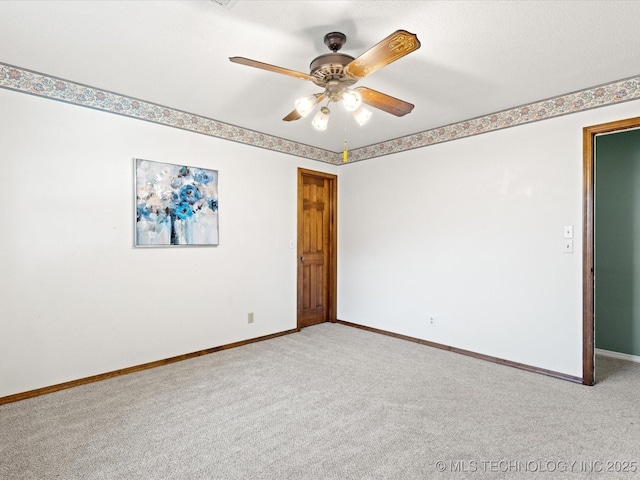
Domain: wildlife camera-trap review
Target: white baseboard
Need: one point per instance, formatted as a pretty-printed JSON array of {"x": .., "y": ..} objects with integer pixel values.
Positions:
[{"x": 621, "y": 356}]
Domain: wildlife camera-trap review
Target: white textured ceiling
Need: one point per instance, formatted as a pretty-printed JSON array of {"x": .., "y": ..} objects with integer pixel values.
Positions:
[{"x": 477, "y": 57}]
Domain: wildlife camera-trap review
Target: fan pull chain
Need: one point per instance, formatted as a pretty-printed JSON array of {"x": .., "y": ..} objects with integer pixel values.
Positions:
[{"x": 345, "y": 153}]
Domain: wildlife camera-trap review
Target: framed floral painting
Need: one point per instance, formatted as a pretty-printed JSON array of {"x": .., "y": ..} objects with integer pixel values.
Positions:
[{"x": 176, "y": 205}]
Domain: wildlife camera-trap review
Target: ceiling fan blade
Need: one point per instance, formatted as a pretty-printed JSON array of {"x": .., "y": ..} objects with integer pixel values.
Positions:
[
  {"x": 395, "y": 46},
  {"x": 384, "y": 102},
  {"x": 272, "y": 68},
  {"x": 294, "y": 115}
]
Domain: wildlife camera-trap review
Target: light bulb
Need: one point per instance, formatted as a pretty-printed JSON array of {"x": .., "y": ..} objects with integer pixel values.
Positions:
[
  {"x": 362, "y": 115},
  {"x": 305, "y": 105},
  {"x": 351, "y": 100},
  {"x": 321, "y": 120}
]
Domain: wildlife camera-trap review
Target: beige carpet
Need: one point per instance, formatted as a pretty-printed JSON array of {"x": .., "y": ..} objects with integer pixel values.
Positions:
[{"x": 330, "y": 402}]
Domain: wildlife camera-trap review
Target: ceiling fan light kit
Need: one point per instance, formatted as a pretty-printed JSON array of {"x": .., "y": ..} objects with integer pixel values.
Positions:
[{"x": 336, "y": 72}]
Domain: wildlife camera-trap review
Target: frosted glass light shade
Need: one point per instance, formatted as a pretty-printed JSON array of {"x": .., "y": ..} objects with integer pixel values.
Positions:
[
  {"x": 351, "y": 100},
  {"x": 305, "y": 105},
  {"x": 362, "y": 115},
  {"x": 321, "y": 120}
]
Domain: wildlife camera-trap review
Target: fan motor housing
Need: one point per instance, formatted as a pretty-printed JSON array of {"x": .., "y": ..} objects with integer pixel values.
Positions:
[{"x": 330, "y": 66}]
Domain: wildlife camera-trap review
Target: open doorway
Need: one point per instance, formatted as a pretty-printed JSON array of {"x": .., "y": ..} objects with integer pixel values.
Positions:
[{"x": 589, "y": 239}]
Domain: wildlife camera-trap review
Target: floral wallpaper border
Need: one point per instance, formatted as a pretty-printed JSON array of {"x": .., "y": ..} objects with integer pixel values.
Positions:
[
  {"x": 600, "y": 96},
  {"x": 26, "y": 81}
]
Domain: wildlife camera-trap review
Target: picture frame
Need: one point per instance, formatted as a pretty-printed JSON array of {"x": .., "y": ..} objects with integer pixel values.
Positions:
[{"x": 176, "y": 205}]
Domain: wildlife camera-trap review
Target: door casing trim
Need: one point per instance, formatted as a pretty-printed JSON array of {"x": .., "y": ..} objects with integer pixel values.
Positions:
[{"x": 588, "y": 240}]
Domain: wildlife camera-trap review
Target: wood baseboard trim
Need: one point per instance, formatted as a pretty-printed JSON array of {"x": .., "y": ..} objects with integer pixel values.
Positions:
[
  {"x": 501, "y": 361},
  {"x": 137, "y": 368}
]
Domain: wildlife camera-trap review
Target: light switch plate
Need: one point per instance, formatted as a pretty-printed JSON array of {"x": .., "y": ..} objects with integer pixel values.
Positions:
[
  {"x": 568, "y": 246},
  {"x": 568, "y": 231}
]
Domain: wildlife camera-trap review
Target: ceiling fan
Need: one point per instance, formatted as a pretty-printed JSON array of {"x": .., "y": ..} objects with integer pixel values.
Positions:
[{"x": 337, "y": 72}]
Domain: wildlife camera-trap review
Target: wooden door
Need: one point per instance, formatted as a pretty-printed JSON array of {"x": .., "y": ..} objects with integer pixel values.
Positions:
[{"x": 317, "y": 199}]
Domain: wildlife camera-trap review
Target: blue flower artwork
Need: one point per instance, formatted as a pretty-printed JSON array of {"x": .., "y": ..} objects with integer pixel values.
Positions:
[{"x": 175, "y": 205}]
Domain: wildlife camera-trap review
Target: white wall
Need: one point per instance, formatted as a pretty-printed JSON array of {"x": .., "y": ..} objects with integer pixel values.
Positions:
[
  {"x": 471, "y": 232},
  {"x": 77, "y": 299}
]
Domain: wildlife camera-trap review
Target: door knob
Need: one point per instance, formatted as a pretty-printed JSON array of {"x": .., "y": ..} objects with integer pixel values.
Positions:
[{"x": 302, "y": 259}]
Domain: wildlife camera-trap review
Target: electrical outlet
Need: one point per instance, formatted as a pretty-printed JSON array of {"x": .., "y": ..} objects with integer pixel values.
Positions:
[
  {"x": 250, "y": 317},
  {"x": 432, "y": 321}
]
